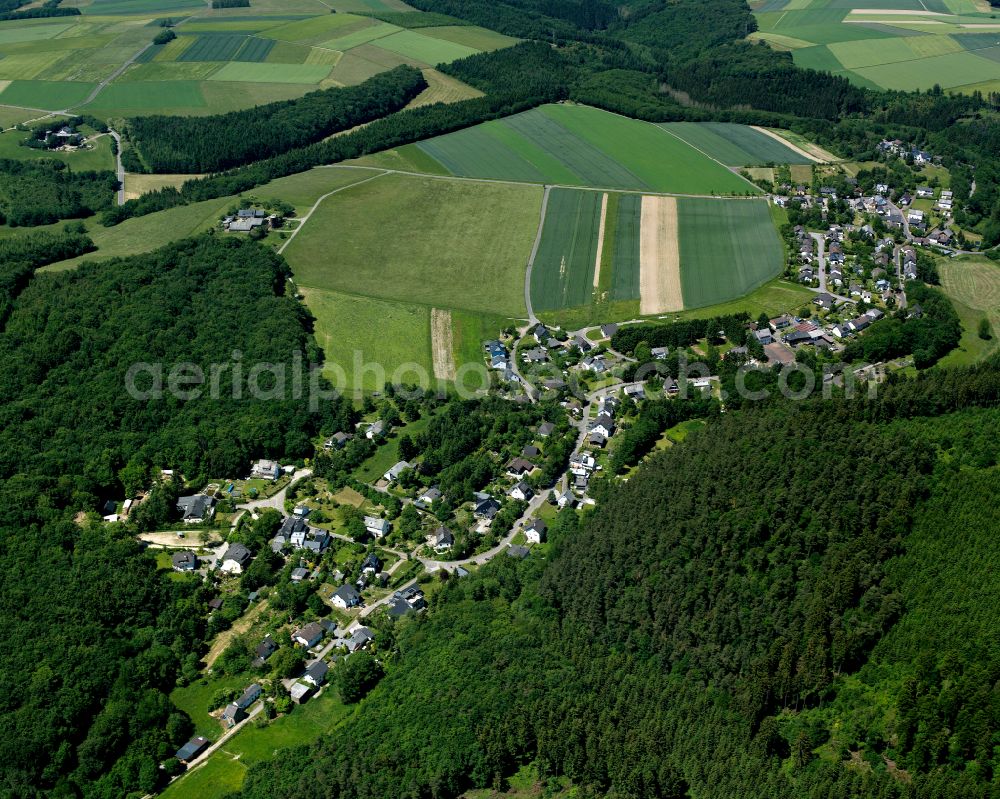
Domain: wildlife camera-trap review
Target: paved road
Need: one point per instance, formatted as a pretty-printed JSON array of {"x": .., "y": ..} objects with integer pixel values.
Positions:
[
  {"x": 276, "y": 501},
  {"x": 121, "y": 169},
  {"x": 821, "y": 258}
]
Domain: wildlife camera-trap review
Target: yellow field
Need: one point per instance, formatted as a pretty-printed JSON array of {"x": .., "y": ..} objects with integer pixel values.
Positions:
[{"x": 442, "y": 88}]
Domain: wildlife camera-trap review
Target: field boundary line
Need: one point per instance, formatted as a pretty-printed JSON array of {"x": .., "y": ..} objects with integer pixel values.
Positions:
[
  {"x": 604, "y": 189},
  {"x": 304, "y": 219},
  {"x": 532, "y": 319},
  {"x": 734, "y": 170}
]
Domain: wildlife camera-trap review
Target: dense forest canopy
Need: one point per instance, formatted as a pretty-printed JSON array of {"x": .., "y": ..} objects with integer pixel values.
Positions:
[{"x": 91, "y": 651}]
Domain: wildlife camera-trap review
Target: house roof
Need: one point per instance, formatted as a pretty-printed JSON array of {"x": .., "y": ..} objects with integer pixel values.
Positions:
[
  {"x": 546, "y": 428},
  {"x": 267, "y": 647},
  {"x": 443, "y": 536},
  {"x": 237, "y": 552},
  {"x": 194, "y": 507},
  {"x": 191, "y": 748},
  {"x": 184, "y": 560},
  {"x": 309, "y": 632},
  {"x": 348, "y": 593},
  {"x": 317, "y": 671},
  {"x": 517, "y": 551}
]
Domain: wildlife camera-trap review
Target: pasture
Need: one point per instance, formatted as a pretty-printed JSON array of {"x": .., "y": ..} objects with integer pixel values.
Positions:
[
  {"x": 973, "y": 286},
  {"x": 563, "y": 271},
  {"x": 727, "y": 249},
  {"x": 368, "y": 341},
  {"x": 97, "y": 156},
  {"x": 582, "y": 146},
  {"x": 736, "y": 145},
  {"x": 897, "y": 44},
  {"x": 422, "y": 240}
]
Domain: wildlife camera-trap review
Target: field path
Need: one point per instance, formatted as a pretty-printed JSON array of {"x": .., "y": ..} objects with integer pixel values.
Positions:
[
  {"x": 600, "y": 241},
  {"x": 532, "y": 319},
  {"x": 303, "y": 219},
  {"x": 794, "y": 147},
  {"x": 240, "y": 626},
  {"x": 442, "y": 345},
  {"x": 659, "y": 257}
]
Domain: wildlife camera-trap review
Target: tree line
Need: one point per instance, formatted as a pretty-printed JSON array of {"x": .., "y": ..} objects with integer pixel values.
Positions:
[{"x": 173, "y": 144}]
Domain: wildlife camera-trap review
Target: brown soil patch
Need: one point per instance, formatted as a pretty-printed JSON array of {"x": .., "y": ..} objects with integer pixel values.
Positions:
[
  {"x": 600, "y": 241},
  {"x": 659, "y": 257},
  {"x": 442, "y": 345}
]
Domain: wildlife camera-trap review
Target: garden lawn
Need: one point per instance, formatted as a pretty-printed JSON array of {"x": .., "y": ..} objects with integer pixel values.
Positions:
[
  {"x": 727, "y": 249},
  {"x": 422, "y": 240},
  {"x": 98, "y": 158}
]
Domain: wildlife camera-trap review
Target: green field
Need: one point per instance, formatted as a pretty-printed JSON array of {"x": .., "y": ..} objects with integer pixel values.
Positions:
[
  {"x": 973, "y": 286},
  {"x": 735, "y": 145},
  {"x": 625, "y": 247},
  {"x": 224, "y": 770},
  {"x": 727, "y": 249},
  {"x": 385, "y": 335},
  {"x": 272, "y": 73},
  {"x": 99, "y": 157},
  {"x": 563, "y": 272},
  {"x": 422, "y": 240},
  {"x": 425, "y": 49},
  {"x": 582, "y": 146},
  {"x": 894, "y": 50},
  {"x": 48, "y": 95},
  {"x": 471, "y": 36}
]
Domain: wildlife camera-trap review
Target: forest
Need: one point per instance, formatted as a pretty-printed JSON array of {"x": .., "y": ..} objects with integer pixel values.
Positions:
[
  {"x": 90, "y": 651},
  {"x": 43, "y": 191},
  {"x": 778, "y": 614},
  {"x": 175, "y": 144}
]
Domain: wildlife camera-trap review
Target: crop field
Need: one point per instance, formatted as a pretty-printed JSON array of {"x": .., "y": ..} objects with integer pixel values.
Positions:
[
  {"x": 563, "y": 272},
  {"x": 582, "y": 146},
  {"x": 625, "y": 248},
  {"x": 735, "y": 145},
  {"x": 891, "y": 44},
  {"x": 443, "y": 88},
  {"x": 727, "y": 249},
  {"x": 422, "y": 240},
  {"x": 265, "y": 53}
]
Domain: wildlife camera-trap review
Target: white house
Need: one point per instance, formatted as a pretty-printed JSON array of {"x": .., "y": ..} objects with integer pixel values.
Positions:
[
  {"x": 535, "y": 531},
  {"x": 522, "y": 491},
  {"x": 377, "y": 527},
  {"x": 236, "y": 559},
  {"x": 395, "y": 471},
  {"x": 346, "y": 597},
  {"x": 268, "y": 470}
]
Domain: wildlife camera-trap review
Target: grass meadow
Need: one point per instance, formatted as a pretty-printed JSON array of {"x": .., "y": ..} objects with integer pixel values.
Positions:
[
  {"x": 422, "y": 240},
  {"x": 973, "y": 286}
]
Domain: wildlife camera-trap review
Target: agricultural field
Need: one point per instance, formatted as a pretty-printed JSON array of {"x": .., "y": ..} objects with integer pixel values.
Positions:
[
  {"x": 563, "y": 271},
  {"x": 422, "y": 240},
  {"x": 574, "y": 145},
  {"x": 667, "y": 253},
  {"x": 104, "y": 62},
  {"x": 973, "y": 286},
  {"x": 737, "y": 145},
  {"x": 895, "y": 44},
  {"x": 727, "y": 249}
]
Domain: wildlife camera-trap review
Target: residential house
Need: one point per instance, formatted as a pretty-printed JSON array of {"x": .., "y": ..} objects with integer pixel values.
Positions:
[
  {"x": 541, "y": 333},
  {"x": 392, "y": 475},
  {"x": 337, "y": 441},
  {"x": 377, "y": 429},
  {"x": 232, "y": 715},
  {"x": 519, "y": 467},
  {"x": 184, "y": 561},
  {"x": 660, "y": 353},
  {"x": 195, "y": 509},
  {"x": 371, "y": 564},
  {"x": 517, "y": 551},
  {"x": 522, "y": 491},
  {"x": 236, "y": 559},
  {"x": 604, "y": 425},
  {"x": 565, "y": 500},
  {"x": 316, "y": 673},
  {"x": 546, "y": 429},
  {"x": 536, "y": 355},
  {"x": 379, "y": 528},
  {"x": 362, "y": 638},
  {"x": 308, "y": 635},
  {"x": 346, "y": 597},
  {"x": 299, "y": 574},
  {"x": 925, "y": 192},
  {"x": 581, "y": 464},
  {"x": 267, "y": 470},
  {"x": 609, "y": 330},
  {"x": 486, "y": 508},
  {"x": 414, "y": 597},
  {"x": 582, "y": 344},
  {"x": 535, "y": 531},
  {"x": 635, "y": 392},
  {"x": 596, "y": 439},
  {"x": 397, "y": 607},
  {"x": 780, "y": 322},
  {"x": 443, "y": 539},
  {"x": 250, "y": 695},
  {"x": 824, "y": 301},
  {"x": 764, "y": 336},
  {"x": 429, "y": 497},
  {"x": 530, "y": 451},
  {"x": 264, "y": 650}
]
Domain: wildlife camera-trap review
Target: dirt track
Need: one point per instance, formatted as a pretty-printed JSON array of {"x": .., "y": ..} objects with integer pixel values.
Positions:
[
  {"x": 814, "y": 157},
  {"x": 442, "y": 348},
  {"x": 659, "y": 257},
  {"x": 600, "y": 242}
]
